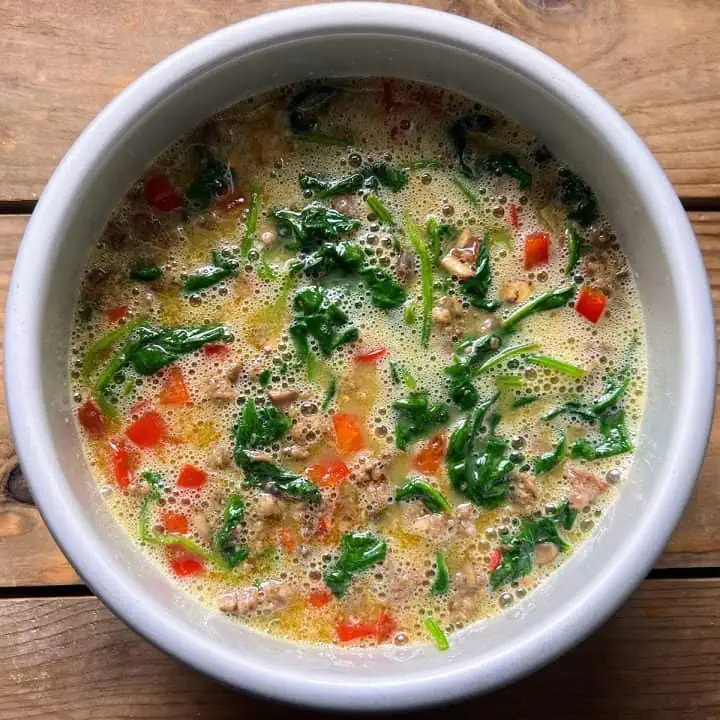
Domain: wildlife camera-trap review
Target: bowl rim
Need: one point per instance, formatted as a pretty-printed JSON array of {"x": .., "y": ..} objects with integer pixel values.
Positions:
[{"x": 28, "y": 413}]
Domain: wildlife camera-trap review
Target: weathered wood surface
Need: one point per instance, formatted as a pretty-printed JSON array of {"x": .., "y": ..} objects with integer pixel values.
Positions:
[
  {"x": 658, "y": 657},
  {"x": 29, "y": 557},
  {"x": 655, "y": 60}
]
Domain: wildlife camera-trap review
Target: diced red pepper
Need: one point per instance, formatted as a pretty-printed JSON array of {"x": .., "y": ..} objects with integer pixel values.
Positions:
[
  {"x": 216, "y": 349},
  {"x": 381, "y": 629},
  {"x": 348, "y": 630},
  {"x": 328, "y": 472},
  {"x": 537, "y": 249},
  {"x": 148, "y": 431},
  {"x": 494, "y": 560},
  {"x": 348, "y": 433},
  {"x": 591, "y": 303},
  {"x": 91, "y": 419},
  {"x": 319, "y": 597},
  {"x": 160, "y": 194},
  {"x": 183, "y": 563},
  {"x": 514, "y": 219},
  {"x": 231, "y": 202},
  {"x": 174, "y": 392},
  {"x": 120, "y": 459},
  {"x": 174, "y": 522},
  {"x": 368, "y": 356},
  {"x": 117, "y": 314},
  {"x": 191, "y": 477},
  {"x": 287, "y": 540},
  {"x": 431, "y": 454}
]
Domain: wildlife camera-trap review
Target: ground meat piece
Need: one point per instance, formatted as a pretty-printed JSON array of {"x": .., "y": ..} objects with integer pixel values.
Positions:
[
  {"x": 431, "y": 526},
  {"x": 545, "y": 553},
  {"x": 275, "y": 595},
  {"x": 220, "y": 457},
  {"x": 283, "y": 398},
  {"x": 348, "y": 204},
  {"x": 448, "y": 311},
  {"x": 239, "y": 602},
  {"x": 370, "y": 473},
  {"x": 465, "y": 517},
  {"x": 296, "y": 452},
  {"x": 523, "y": 491},
  {"x": 516, "y": 291},
  {"x": 375, "y": 498},
  {"x": 219, "y": 388},
  {"x": 601, "y": 268},
  {"x": 268, "y": 506},
  {"x": 457, "y": 266},
  {"x": 586, "y": 487},
  {"x": 308, "y": 429},
  {"x": 467, "y": 585},
  {"x": 406, "y": 266},
  {"x": 402, "y": 580},
  {"x": 201, "y": 526}
]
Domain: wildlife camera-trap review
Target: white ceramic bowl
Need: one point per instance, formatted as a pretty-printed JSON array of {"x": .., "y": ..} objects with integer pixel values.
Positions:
[{"x": 345, "y": 40}]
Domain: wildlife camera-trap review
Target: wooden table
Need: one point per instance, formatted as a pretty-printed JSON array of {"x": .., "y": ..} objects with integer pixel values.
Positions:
[{"x": 62, "y": 654}]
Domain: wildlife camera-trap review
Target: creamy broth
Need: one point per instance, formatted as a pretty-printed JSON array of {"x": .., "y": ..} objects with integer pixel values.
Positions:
[{"x": 372, "y": 412}]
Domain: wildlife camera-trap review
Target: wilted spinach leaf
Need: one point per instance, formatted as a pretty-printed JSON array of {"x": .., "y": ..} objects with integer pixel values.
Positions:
[
  {"x": 313, "y": 225},
  {"x": 230, "y": 548},
  {"x": 578, "y": 197},
  {"x": 416, "y": 416},
  {"x": 358, "y": 551},
  {"x": 431, "y": 498}
]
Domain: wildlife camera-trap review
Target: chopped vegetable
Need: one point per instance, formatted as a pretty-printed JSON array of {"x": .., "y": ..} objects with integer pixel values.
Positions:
[
  {"x": 307, "y": 106},
  {"x": 550, "y": 460},
  {"x": 537, "y": 249},
  {"x": 554, "y": 364},
  {"x": 261, "y": 427},
  {"x": 160, "y": 194},
  {"x": 616, "y": 439},
  {"x": 507, "y": 164},
  {"x": 370, "y": 356},
  {"x": 379, "y": 210},
  {"x": 222, "y": 266},
  {"x": 578, "y": 197},
  {"x": 116, "y": 314},
  {"x": 547, "y": 301},
  {"x": 328, "y": 472},
  {"x": 431, "y": 497},
  {"x": 313, "y": 225},
  {"x": 329, "y": 394},
  {"x": 576, "y": 248},
  {"x": 504, "y": 355},
  {"x": 524, "y": 400},
  {"x": 174, "y": 392},
  {"x": 349, "y": 435},
  {"x": 464, "y": 133},
  {"x": 230, "y": 548},
  {"x": 358, "y": 551},
  {"x": 476, "y": 288},
  {"x": 431, "y": 454},
  {"x": 173, "y": 522},
  {"x": 191, "y": 477},
  {"x": 436, "y": 633},
  {"x": 441, "y": 585},
  {"x": 184, "y": 563},
  {"x": 145, "y": 271},
  {"x": 425, "y": 277},
  {"x": 467, "y": 193},
  {"x": 120, "y": 460},
  {"x": 213, "y": 180},
  {"x": 591, "y": 303},
  {"x": 148, "y": 431},
  {"x": 319, "y": 597},
  {"x": 369, "y": 177},
  {"x": 416, "y": 416},
  {"x": 91, "y": 419},
  {"x": 437, "y": 234}
]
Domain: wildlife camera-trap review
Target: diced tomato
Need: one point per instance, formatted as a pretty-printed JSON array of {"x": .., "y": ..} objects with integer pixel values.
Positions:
[
  {"x": 380, "y": 629},
  {"x": 287, "y": 540},
  {"x": 175, "y": 522},
  {"x": 348, "y": 433},
  {"x": 231, "y": 202},
  {"x": 91, "y": 419},
  {"x": 160, "y": 194},
  {"x": 148, "y": 431},
  {"x": 537, "y": 249},
  {"x": 216, "y": 349},
  {"x": 174, "y": 392},
  {"x": 117, "y": 314},
  {"x": 494, "y": 560},
  {"x": 384, "y": 626},
  {"x": 431, "y": 454},
  {"x": 120, "y": 459},
  {"x": 319, "y": 597},
  {"x": 591, "y": 303},
  {"x": 191, "y": 477},
  {"x": 348, "y": 630},
  {"x": 328, "y": 472},
  {"x": 514, "y": 219},
  {"x": 183, "y": 563},
  {"x": 368, "y": 356}
]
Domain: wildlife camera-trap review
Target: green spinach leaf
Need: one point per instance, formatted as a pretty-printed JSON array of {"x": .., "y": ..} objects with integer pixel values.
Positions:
[
  {"x": 416, "y": 416},
  {"x": 307, "y": 106},
  {"x": 431, "y": 497},
  {"x": 358, "y": 551},
  {"x": 146, "y": 271},
  {"x": 578, "y": 197},
  {"x": 441, "y": 585},
  {"x": 550, "y": 460},
  {"x": 313, "y": 225},
  {"x": 233, "y": 551}
]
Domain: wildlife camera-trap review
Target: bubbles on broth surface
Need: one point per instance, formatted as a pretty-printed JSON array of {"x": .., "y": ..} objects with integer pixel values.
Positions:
[{"x": 286, "y": 545}]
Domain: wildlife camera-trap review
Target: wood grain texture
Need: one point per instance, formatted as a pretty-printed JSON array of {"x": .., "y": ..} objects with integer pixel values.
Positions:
[
  {"x": 69, "y": 658},
  {"x": 655, "y": 60},
  {"x": 29, "y": 557}
]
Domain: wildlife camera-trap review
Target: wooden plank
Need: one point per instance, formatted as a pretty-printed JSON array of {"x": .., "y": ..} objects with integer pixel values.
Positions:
[
  {"x": 659, "y": 657},
  {"x": 28, "y": 555},
  {"x": 657, "y": 61}
]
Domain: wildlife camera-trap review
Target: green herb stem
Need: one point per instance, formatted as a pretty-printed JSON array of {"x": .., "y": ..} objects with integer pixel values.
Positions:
[
  {"x": 380, "y": 211},
  {"x": 558, "y": 365},
  {"x": 425, "y": 276},
  {"x": 504, "y": 355},
  {"x": 252, "y": 220},
  {"x": 436, "y": 633}
]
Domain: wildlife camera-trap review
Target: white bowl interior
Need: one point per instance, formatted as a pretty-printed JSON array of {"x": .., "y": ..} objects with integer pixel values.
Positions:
[{"x": 463, "y": 57}]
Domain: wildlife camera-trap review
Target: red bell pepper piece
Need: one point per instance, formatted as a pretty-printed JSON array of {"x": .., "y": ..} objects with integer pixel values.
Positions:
[
  {"x": 380, "y": 629},
  {"x": 174, "y": 522},
  {"x": 117, "y": 314},
  {"x": 319, "y": 597},
  {"x": 287, "y": 540},
  {"x": 537, "y": 249},
  {"x": 328, "y": 472},
  {"x": 174, "y": 392},
  {"x": 191, "y": 477},
  {"x": 494, "y": 560},
  {"x": 91, "y": 419},
  {"x": 216, "y": 349},
  {"x": 148, "y": 431},
  {"x": 368, "y": 356},
  {"x": 183, "y": 563},
  {"x": 591, "y": 303},
  {"x": 120, "y": 459},
  {"x": 348, "y": 433},
  {"x": 431, "y": 454},
  {"x": 160, "y": 194},
  {"x": 514, "y": 219}
]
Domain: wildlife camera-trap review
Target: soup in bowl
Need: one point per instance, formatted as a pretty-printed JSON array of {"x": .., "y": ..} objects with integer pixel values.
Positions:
[{"x": 315, "y": 389}]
